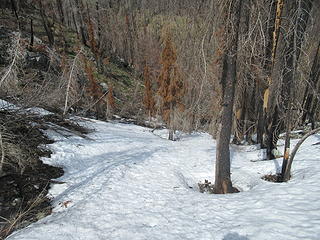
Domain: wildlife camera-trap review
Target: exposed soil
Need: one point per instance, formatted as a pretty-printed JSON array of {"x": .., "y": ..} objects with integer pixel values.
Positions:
[
  {"x": 23, "y": 198},
  {"x": 208, "y": 187},
  {"x": 25, "y": 179},
  {"x": 273, "y": 178}
]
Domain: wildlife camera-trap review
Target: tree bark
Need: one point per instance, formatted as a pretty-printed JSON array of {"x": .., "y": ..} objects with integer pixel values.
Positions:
[
  {"x": 313, "y": 80},
  {"x": 31, "y": 33},
  {"x": 270, "y": 112},
  {"x": 46, "y": 24},
  {"x": 223, "y": 182},
  {"x": 299, "y": 14},
  {"x": 15, "y": 10}
]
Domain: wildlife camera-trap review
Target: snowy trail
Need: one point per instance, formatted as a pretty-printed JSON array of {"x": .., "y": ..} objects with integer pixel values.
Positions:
[{"x": 127, "y": 183}]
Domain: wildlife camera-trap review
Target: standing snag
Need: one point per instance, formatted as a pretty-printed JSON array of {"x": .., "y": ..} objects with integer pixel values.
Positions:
[{"x": 228, "y": 80}]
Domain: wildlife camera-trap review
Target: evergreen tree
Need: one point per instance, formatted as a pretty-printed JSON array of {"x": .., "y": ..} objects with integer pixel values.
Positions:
[{"x": 171, "y": 87}]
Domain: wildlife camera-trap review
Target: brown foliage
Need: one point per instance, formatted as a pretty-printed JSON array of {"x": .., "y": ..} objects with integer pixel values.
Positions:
[
  {"x": 171, "y": 87},
  {"x": 92, "y": 40},
  {"x": 94, "y": 89}
]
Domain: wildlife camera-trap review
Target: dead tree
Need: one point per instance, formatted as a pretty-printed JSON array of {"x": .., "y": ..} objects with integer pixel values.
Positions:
[
  {"x": 295, "y": 35},
  {"x": 46, "y": 24},
  {"x": 228, "y": 80},
  {"x": 286, "y": 173},
  {"x": 309, "y": 96}
]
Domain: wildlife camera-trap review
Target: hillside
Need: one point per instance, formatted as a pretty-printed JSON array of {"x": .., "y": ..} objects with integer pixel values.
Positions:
[{"x": 61, "y": 78}]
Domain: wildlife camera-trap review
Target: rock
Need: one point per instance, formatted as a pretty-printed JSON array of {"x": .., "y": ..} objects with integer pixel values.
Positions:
[{"x": 36, "y": 60}]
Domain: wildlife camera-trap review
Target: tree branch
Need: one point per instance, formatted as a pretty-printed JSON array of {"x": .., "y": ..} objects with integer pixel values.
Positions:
[{"x": 286, "y": 175}]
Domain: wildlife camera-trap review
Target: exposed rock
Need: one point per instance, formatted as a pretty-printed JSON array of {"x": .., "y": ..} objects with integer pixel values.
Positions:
[{"x": 37, "y": 60}]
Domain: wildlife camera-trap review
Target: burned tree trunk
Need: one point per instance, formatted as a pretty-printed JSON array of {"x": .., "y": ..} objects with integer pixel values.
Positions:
[
  {"x": 46, "y": 24},
  {"x": 314, "y": 77},
  {"x": 270, "y": 111},
  {"x": 300, "y": 14},
  {"x": 31, "y": 33},
  {"x": 223, "y": 182}
]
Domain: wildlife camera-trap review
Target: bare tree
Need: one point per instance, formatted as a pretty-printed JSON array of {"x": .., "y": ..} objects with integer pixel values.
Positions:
[
  {"x": 300, "y": 11},
  {"x": 47, "y": 23},
  {"x": 232, "y": 12}
]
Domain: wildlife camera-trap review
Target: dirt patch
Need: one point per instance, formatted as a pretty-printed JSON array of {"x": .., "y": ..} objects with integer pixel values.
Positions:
[
  {"x": 24, "y": 178},
  {"x": 273, "y": 178},
  {"x": 208, "y": 187},
  {"x": 23, "y": 198}
]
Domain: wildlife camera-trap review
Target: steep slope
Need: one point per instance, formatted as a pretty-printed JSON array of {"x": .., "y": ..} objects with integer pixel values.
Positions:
[{"x": 41, "y": 75}]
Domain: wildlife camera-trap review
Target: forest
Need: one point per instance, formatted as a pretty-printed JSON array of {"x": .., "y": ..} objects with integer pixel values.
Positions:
[{"x": 244, "y": 71}]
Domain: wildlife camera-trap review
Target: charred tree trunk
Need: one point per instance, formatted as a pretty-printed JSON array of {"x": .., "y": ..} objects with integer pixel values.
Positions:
[
  {"x": 260, "y": 116},
  {"x": 46, "y": 24},
  {"x": 300, "y": 15},
  {"x": 31, "y": 33},
  {"x": 223, "y": 182},
  {"x": 80, "y": 22},
  {"x": 239, "y": 120},
  {"x": 250, "y": 117},
  {"x": 272, "y": 133},
  {"x": 15, "y": 11},
  {"x": 242, "y": 103},
  {"x": 270, "y": 117},
  {"x": 314, "y": 77}
]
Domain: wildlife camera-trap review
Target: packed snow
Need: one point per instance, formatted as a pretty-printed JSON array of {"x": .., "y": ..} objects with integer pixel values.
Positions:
[
  {"x": 7, "y": 106},
  {"x": 4, "y": 105},
  {"x": 125, "y": 182}
]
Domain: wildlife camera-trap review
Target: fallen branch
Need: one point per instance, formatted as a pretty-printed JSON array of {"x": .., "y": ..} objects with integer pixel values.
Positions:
[
  {"x": 69, "y": 82},
  {"x": 286, "y": 175}
]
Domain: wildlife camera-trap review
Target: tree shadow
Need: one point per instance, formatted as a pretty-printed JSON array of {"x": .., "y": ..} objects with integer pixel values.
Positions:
[{"x": 234, "y": 236}]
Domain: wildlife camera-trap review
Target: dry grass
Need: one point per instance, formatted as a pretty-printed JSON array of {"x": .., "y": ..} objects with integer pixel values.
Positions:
[
  {"x": 273, "y": 178},
  {"x": 36, "y": 209}
]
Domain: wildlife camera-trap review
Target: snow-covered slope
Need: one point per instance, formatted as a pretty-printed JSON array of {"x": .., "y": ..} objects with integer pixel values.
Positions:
[{"x": 127, "y": 183}]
